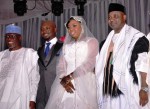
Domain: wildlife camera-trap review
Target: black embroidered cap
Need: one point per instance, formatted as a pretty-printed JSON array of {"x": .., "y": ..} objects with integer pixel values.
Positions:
[{"x": 116, "y": 7}]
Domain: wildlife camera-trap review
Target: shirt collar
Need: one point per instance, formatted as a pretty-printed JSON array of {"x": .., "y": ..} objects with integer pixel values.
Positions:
[{"x": 52, "y": 41}]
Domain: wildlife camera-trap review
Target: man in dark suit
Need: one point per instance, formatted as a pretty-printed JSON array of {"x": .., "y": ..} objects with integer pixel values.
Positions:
[{"x": 48, "y": 55}]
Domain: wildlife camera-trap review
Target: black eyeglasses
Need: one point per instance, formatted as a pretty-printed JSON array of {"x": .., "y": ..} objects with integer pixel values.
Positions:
[{"x": 12, "y": 36}]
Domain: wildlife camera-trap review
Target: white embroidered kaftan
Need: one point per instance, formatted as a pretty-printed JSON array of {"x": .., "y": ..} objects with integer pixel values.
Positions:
[{"x": 19, "y": 78}]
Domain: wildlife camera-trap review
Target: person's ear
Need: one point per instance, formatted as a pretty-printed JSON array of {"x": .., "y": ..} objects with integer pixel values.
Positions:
[
  {"x": 55, "y": 30},
  {"x": 20, "y": 38},
  {"x": 124, "y": 17}
]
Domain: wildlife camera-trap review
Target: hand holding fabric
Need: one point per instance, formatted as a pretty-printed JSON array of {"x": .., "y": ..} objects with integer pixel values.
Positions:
[
  {"x": 69, "y": 87},
  {"x": 65, "y": 80},
  {"x": 67, "y": 84},
  {"x": 143, "y": 97}
]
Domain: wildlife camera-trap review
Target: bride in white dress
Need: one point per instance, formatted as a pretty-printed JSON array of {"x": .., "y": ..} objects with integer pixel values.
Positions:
[{"x": 75, "y": 84}]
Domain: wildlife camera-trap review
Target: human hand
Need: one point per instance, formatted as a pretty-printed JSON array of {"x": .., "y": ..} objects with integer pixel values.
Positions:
[
  {"x": 67, "y": 84},
  {"x": 69, "y": 87},
  {"x": 65, "y": 80},
  {"x": 32, "y": 105},
  {"x": 143, "y": 97}
]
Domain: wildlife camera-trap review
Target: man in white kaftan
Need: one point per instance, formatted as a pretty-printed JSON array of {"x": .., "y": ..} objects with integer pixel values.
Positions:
[
  {"x": 122, "y": 65},
  {"x": 19, "y": 73}
]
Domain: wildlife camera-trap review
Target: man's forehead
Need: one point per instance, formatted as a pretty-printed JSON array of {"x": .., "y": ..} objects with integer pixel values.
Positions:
[
  {"x": 115, "y": 12},
  {"x": 46, "y": 23}
]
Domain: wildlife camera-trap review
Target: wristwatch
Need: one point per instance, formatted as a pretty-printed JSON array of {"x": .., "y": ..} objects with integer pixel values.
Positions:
[{"x": 146, "y": 89}]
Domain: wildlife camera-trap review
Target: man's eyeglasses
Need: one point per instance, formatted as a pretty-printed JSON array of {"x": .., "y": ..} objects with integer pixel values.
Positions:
[{"x": 12, "y": 36}]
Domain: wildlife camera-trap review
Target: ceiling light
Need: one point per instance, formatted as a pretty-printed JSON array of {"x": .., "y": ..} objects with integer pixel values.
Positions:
[
  {"x": 57, "y": 7},
  {"x": 20, "y": 7},
  {"x": 80, "y": 6}
]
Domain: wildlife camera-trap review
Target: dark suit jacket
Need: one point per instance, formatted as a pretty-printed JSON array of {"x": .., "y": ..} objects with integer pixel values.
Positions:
[{"x": 47, "y": 73}]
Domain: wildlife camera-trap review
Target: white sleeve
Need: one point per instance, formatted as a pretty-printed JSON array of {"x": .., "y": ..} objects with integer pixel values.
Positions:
[
  {"x": 61, "y": 66},
  {"x": 148, "y": 36},
  {"x": 142, "y": 62},
  {"x": 89, "y": 64},
  {"x": 34, "y": 76}
]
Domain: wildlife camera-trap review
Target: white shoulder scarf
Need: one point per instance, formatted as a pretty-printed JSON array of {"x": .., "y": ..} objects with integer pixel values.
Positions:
[{"x": 121, "y": 57}]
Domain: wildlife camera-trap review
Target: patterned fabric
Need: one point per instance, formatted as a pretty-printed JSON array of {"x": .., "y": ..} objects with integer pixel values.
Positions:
[
  {"x": 129, "y": 38},
  {"x": 13, "y": 29},
  {"x": 109, "y": 86},
  {"x": 142, "y": 45},
  {"x": 19, "y": 77}
]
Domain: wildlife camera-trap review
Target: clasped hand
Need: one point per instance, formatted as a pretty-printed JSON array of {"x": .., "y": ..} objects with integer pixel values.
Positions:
[
  {"x": 67, "y": 84},
  {"x": 143, "y": 98}
]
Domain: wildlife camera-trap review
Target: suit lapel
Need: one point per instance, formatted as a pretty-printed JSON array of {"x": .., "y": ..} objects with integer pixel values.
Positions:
[
  {"x": 41, "y": 55},
  {"x": 55, "y": 49},
  {"x": 50, "y": 56}
]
